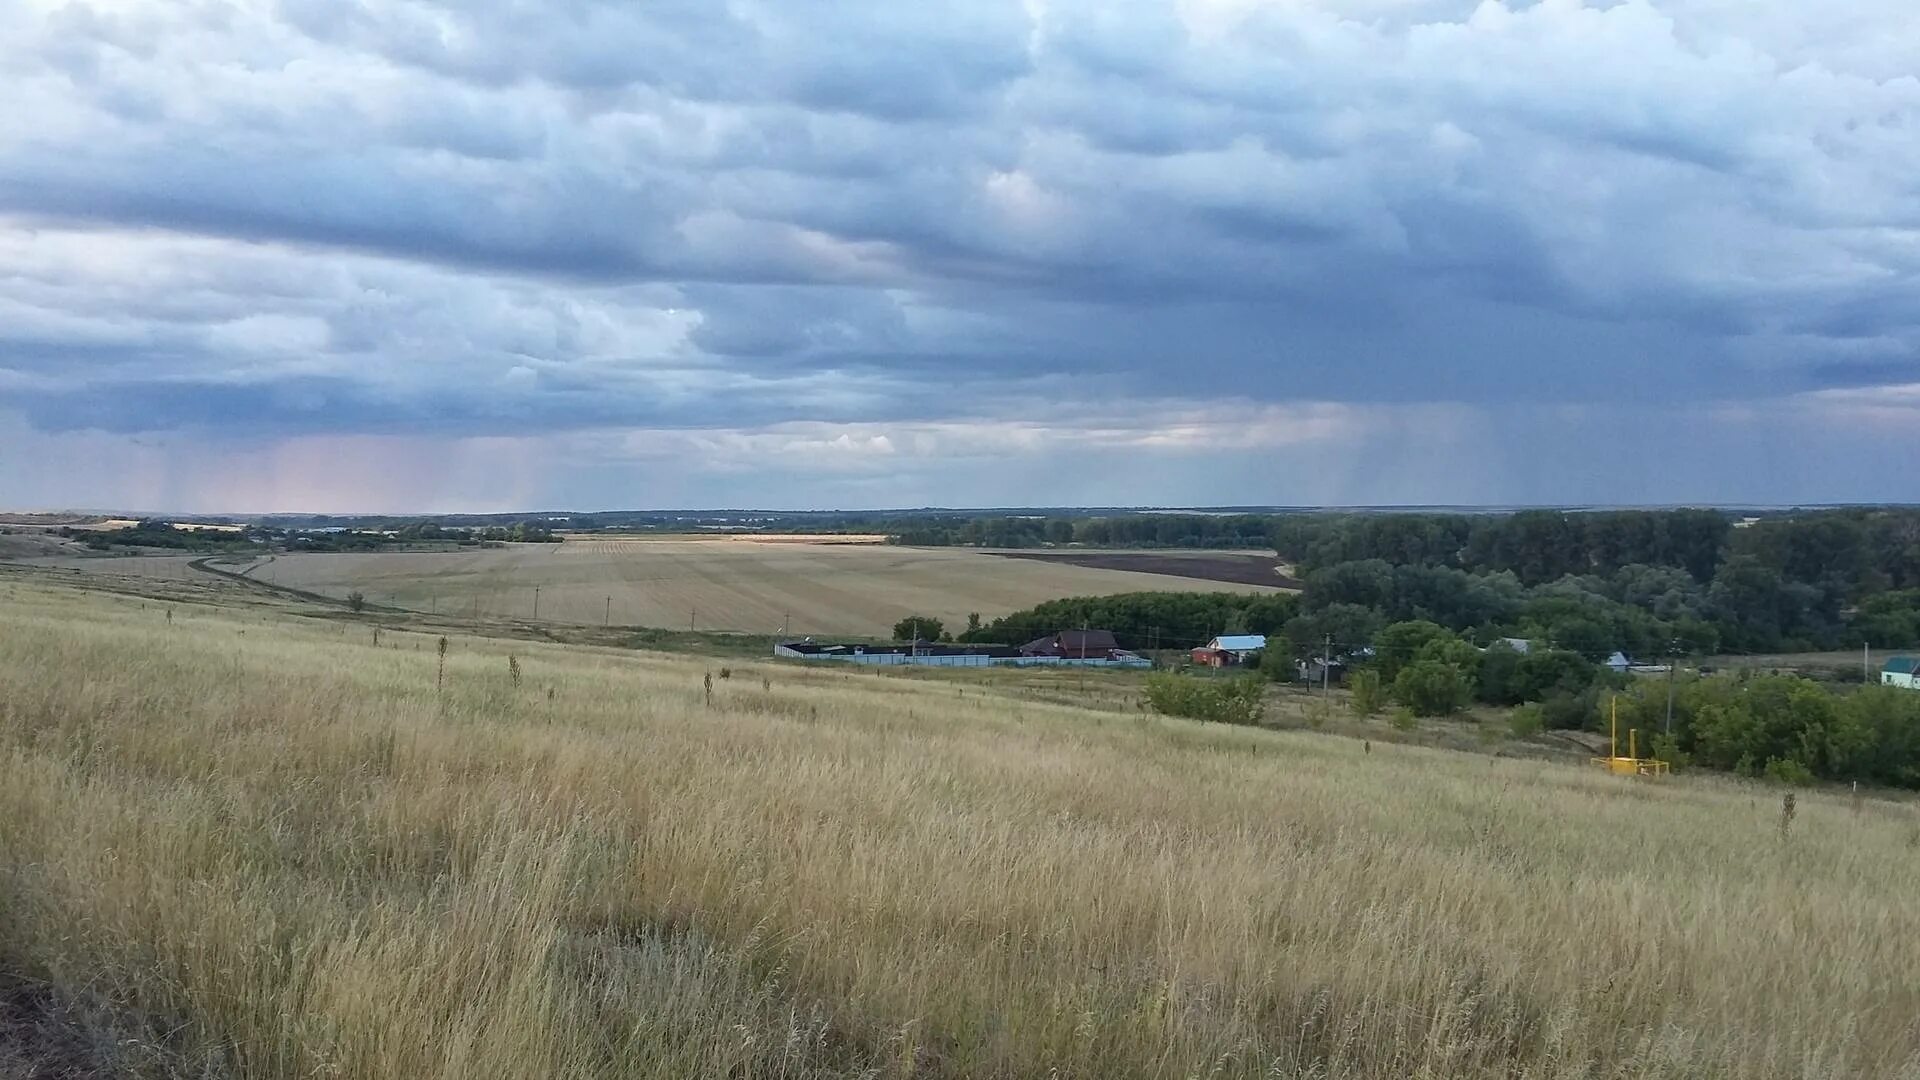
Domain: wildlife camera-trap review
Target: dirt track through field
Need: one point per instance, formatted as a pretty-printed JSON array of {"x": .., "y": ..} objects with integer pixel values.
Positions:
[{"x": 821, "y": 589}]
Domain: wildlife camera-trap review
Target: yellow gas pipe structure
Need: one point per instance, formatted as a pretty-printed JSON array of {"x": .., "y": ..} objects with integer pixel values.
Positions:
[{"x": 1633, "y": 764}]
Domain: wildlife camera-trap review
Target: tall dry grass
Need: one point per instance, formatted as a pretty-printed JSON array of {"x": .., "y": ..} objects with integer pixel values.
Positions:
[{"x": 289, "y": 855}]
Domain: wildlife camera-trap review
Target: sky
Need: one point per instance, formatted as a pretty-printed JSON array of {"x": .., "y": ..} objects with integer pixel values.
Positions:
[{"x": 491, "y": 255}]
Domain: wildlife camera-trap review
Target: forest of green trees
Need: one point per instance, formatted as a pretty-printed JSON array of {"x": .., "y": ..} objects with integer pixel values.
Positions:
[
  {"x": 1413, "y": 596},
  {"x": 1146, "y": 620},
  {"x": 1126, "y": 530},
  {"x": 161, "y": 534},
  {"x": 1781, "y": 726},
  {"x": 1648, "y": 583},
  {"x": 1419, "y": 605}
]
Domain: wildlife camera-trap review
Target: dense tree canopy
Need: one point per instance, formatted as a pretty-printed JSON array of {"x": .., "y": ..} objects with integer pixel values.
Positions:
[
  {"x": 1536, "y": 545},
  {"x": 920, "y": 628},
  {"x": 1782, "y": 726},
  {"x": 1651, "y": 584},
  {"x": 1139, "y": 530},
  {"x": 1146, "y": 620}
]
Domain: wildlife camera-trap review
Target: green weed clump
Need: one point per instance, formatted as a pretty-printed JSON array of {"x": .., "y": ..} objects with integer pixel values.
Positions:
[
  {"x": 1526, "y": 720},
  {"x": 1239, "y": 700}
]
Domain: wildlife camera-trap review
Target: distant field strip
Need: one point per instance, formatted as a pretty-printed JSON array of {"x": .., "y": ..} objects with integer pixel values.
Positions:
[{"x": 723, "y": 584}]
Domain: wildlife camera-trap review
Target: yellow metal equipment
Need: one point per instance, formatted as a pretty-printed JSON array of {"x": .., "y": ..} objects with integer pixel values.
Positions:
[{"x": 1633, "y": 764}]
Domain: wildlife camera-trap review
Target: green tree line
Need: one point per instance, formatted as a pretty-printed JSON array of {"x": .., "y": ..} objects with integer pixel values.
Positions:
[
  {"x": 1435, "y": 672},
  {"x": 1784, "y": 726},
  {"x": 1145, "y": 620},
  {"x": 1648, "y": 583},
  {"x": 1126, "y": 531}
]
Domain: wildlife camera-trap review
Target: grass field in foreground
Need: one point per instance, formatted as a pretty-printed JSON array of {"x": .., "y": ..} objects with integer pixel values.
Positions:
[{"x": 239, "y": 843}]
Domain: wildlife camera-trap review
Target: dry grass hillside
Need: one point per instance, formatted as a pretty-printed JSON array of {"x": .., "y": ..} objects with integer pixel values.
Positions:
[{"x": 234, "y": 842}]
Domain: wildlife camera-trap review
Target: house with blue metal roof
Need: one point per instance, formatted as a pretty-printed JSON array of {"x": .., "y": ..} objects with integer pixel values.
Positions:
[
  {"x": 1901, "y": 671},
  {"x": 1229, "y": 649}
]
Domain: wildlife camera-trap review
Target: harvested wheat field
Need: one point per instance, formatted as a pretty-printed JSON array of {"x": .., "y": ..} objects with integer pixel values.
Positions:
[
  {"x": 249, "y": 844},
  {"x": 163, "y": 567},
  {"x": 720, "y": 583}
]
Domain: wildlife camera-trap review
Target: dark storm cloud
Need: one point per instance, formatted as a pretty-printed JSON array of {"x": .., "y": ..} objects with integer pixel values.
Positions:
[
  {"x": 300, "y": 405},
  {"x": 346, "y": 203},
  {"x": 408, "y": 216}
]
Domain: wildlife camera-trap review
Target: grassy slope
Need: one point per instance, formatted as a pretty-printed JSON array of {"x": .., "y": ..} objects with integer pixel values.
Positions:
[{"x": 280, "y": 845}]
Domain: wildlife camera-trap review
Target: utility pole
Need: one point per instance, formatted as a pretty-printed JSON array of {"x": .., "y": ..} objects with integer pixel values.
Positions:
[
  {"x": 786, "y": 621},
  {"x": 1866, "y": 665},
  {"x": 691, "y": 616},
  {"x": 1326, "y": 668},
  {"x": 1673, "y": 661},
  {"x": 608, "y": 620},
  {"x": 536, "y": 601}
]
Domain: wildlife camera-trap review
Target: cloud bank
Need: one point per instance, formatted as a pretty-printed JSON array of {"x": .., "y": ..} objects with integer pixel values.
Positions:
[{"x": 402, "y": 254}]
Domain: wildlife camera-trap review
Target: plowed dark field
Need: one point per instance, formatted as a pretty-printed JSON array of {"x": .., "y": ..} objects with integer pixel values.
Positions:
[{"x": 1239, "y": 568}]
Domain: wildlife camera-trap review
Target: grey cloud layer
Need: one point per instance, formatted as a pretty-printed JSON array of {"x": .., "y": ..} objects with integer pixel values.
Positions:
[{"x": 382, "y": 216}]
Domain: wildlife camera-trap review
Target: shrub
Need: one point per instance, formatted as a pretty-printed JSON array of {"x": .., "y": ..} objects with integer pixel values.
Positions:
[
  {"x": 1369, "y": 696},
  {"x": 1224, "y": 701},
  {"x": 1667, "y": 749},
  {"x": 1277, "y": 664},
  {"x": 1402, "y": 719},
  {"x": 1789, "y": 771},
  {"x": 1527, "y": 720},
  {"x": 356, "y": 601},
  {"x": 1570, "y": 712},
  {"x": 1431, "y": 688},
  {"x": 1545, "y": 672},
  {"x": 1400, "y": 645},
  {"x": 1498, "y": 670}
]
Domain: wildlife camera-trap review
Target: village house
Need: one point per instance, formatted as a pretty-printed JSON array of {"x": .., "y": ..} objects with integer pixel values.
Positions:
[
  {"x": 1229, "y": 650},
  {"x": 1073, "y": 645}
]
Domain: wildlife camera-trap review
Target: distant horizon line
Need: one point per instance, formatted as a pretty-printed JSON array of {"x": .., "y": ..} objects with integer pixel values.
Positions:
[{"x": 1264, "y": 508}]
